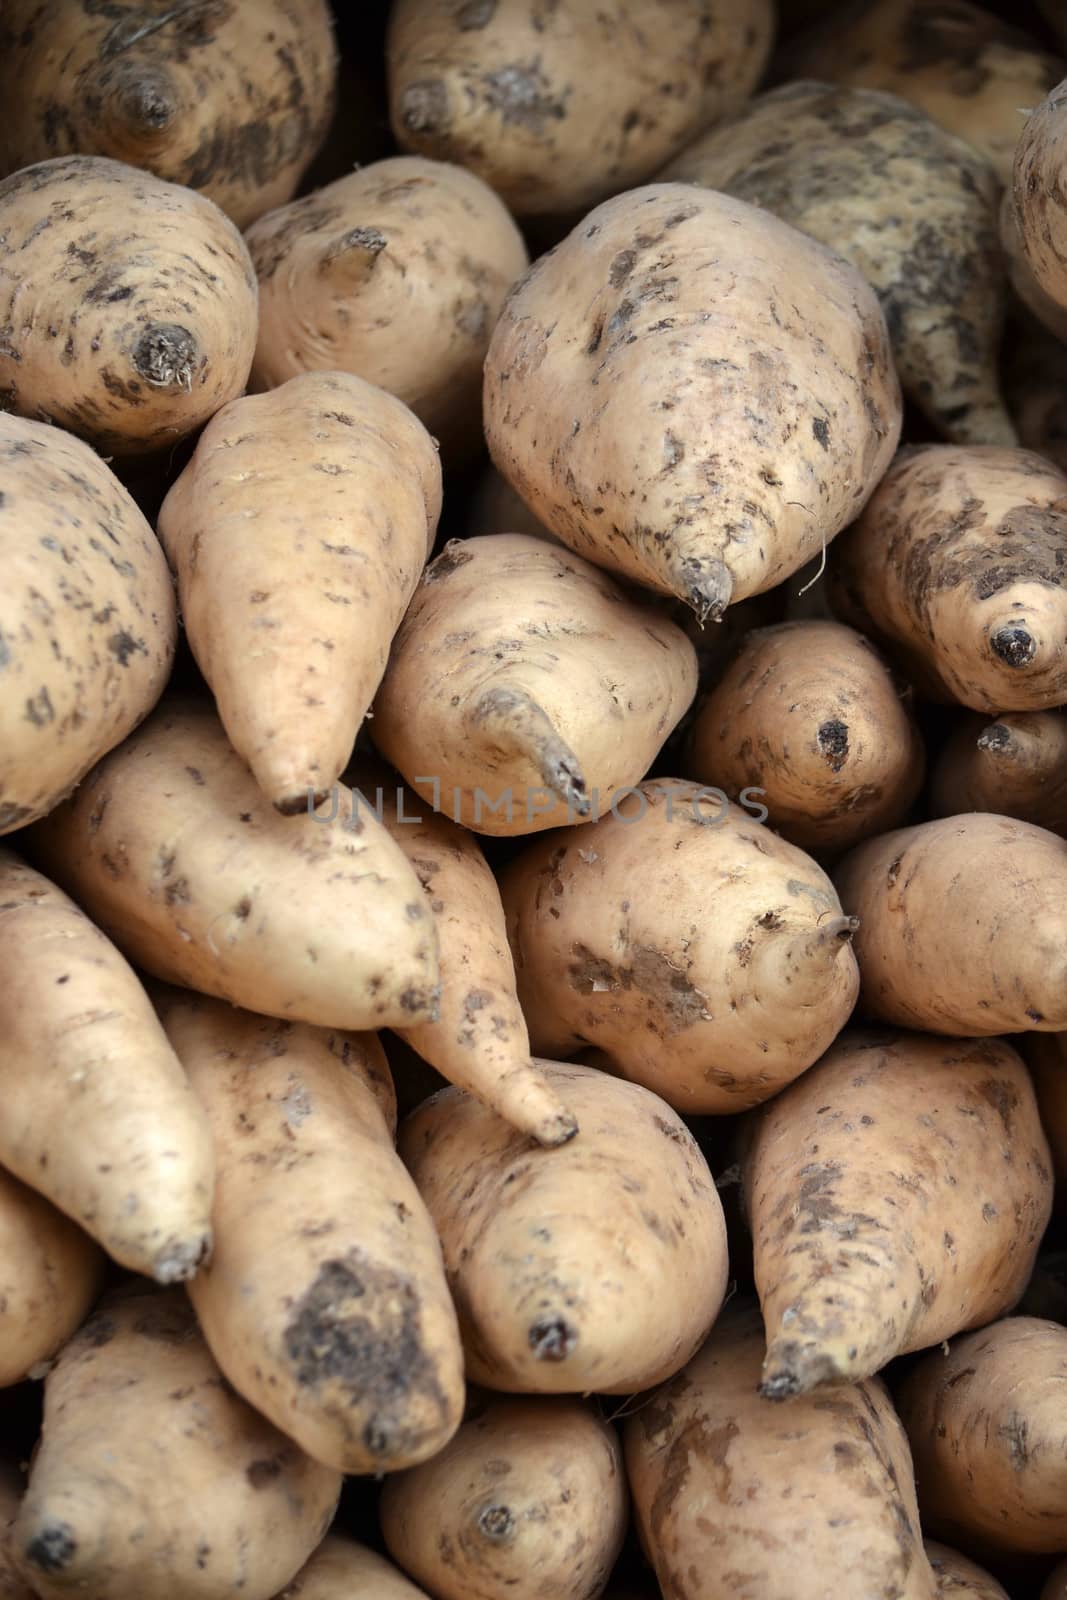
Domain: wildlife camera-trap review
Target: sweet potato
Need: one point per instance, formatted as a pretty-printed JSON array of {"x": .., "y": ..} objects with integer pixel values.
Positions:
[
  {"x": 1046, "y": 1054},
  {"x": 1040, "y": 206},
  {"x": 735, "y": 1498},
  {"x": 598, "y": 1266},
  {"x": 1035, "y": 301},
  {"x": 666, "y": 307},
  {"x": 956, "y": 567},
  {"x": 325, "y": 1303},
  {"x": 848, "y": 175},
  {"x": 152, "y": 1478},
  {"x": 297, "y": 533},
  {"x": 341, "y": 1569},
  {"x": 479, "y": 1041},
  {"x": 98, "y": 1114},
  {"x": 529, "y": 1500},
  {"x": 958, "y": 1578},
  {"x": 854, "y": 1268},
  {"x": 87, "y": 627},
  {"x": 228, "y": 99},
  {"x": 1014, "y": 767},
  {"x": 143, "y": 298},
  {"x": 987, "y": 1437},
  {"x": 525, "y": 688},
  {"x": 174, "y": 851},
  {"x": 50, "y": 1274},
  {"x": 615, "y": 946},
  {"x": 961, "y": 925},
  {"x": 11, "y": 1484},
  {"x": 558, "y": 106},
  {"x": 396, "y": 272},
  {"x": 971, "y": 71},
  {"x": 808, "y": 715}
]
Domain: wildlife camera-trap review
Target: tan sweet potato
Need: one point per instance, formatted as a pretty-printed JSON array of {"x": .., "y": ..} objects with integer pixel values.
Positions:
[
  {"x": 525, "y": 688},
  {"x": 233, "y": 100},
  {"x": 87, "y": 627},
  {"x": 143, "y": 301},
  {"x": 297, "y": 533},
  {"x": 598, "y": 1266},
  {"x": 98, "y": 1114},
  {"x": 958, "y": 1578},
  {"x": 479, "y": 1041},
  {"x": 1014, "y": 767},
  {"x": 1046, "y": 1054},
  {"x": 972, "y": 71},
  {"x": 1040, "y": 207},
  {"x": 397, "y": 272},
  {"x": 854, "y": 1268},
  {"x": 325, "y": 1303},
  {"x": 152, "y": 1478},
  {"x": 558, "y": 106},
  {"x": 808, "y": 716},
  {"x": 615, "y": 946},
  {"x": 50, "y": 1274},
  {"x": 961, "y": 925},
  {"x": 174, "y": 851},
  {"x": 956, "y": 567},
  {"x": 736, "y": 1498},
  {"x": 848, "y": 175},
  {"x": 529, "y": 1500},
  {"x": 666, "y": 307},
  {"x": 341, "y": 1569},
  {"x": 986, "y": 1426}
]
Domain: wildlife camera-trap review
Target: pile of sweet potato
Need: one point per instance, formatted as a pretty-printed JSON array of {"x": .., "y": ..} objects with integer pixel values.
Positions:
[{"x": 533, "y": 796}]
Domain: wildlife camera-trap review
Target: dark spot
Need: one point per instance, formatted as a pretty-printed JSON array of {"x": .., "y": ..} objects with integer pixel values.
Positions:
[
  {"x": 53, "y": 1548},
  {"x": 1016, "y": 646},
  {"x": 475, "y": 14},
  {"x": 39, "y": 708},
  {"x": 424, "y": 107},
  {"x": 552, "y": 1338},
  {"x": 821, "y": 429},
  {"x": 496, "y": 1523},
  {"x": 123, "y": 645},
  {"x": 262, "y": 1473},
  {"x": 166, "y": 356},
  {"x": 196, "y": 775},
  {"x": 98, "y": 1332},
  {"x": 832, "y": 739}
]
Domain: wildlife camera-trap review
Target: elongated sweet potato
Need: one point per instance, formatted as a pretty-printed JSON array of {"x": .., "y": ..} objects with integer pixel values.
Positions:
[
  {"x": 480, "y": 1040},
  {"x": 663, "y": 308},
  {"x": 808, "y": 716},
  {"x": 956, "y": 567},
  {"x": 98, "y": 1114},
  {"x": 153, "y": 1478},
  {"x": 958, "y": 1578},
  {"x": 341, "y": 1569},
  {"x": 1046, "y": 1054},
  {"x": 614, "y": 946},
  {"x": 529, "y": 1500},
  {"x": 297, "y": 533},
  {"x": 325, "y": 1303},
  {"x": 50, "y": 1274},
  {"x": 987, "y": 1436},
  {"x": 1014, "y": 767},
  {"x": 854, "y": 1268},
  {"x": 229, "y": 99},
  {"x": 558, "y": 106},
  {"x": 525, "y": 687},
  {"x": 174, "y": 851},
  {"x": 598, "y": 1266},
  {"x": 972, "y": 71},
  {"x": 1040, "y": 207},
  {"x": 734, "y": 1497},
  {"x": 144, "y": 304},
  {"x": 87, "y": 627},
  {"x": 848, "y": 175},
  {"x": 961, "y": 925},
  {"x": 396, "y": 272}
]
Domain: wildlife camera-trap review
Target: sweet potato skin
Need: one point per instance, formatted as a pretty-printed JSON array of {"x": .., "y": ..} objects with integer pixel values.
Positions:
[
  {"x": 135, "y": 340},
  {"x": 528, "y": 1500},
  {"x": 178, "y": 856},
  {"x": 190, "y": 94},
  {"x": 613, "y": 330},
  {"x": 561, "y": 1261},
  {"x": 1040, "y": 211},
  {"x": 1015, "y": 766},
  {"x": 325, "y": 1303},
  {"x": 990, "y": 960},
  {"x": 50, "y": 1274},
  {"x": 397, "y": 272},
  {"x": 734, "y": 1497},
  {"x": 341, "y": 1569},
  {"x": 98, "y": 1114},
  {"x": 297, "y": 534},
  {"x": 152, "y": 1474},
  {"x": 87, "y": 629},
  {"x": 849, "y": 1277},
  {"x": 958, "y": 1578},
  {"x": 986, "y": 1436}
]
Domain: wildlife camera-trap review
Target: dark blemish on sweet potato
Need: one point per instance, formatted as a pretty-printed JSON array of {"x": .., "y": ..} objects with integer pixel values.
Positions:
[
  {"x": 123, "y": 645},
  {"x": 521, "y": 95},
  {"x": 475, "y": 14},
  {"x": 166, "y": 356},
  {"x": 196, "y": 775},
  {"x": 262, "y": 1473},
  {"x": 832, "y": 739},
  {"x": 821, "y": 430},
  {"x": 177, "y": 893},
  {"x": 552, "y": 1338},
  {"x": 424, "y": 107},
  {"x": 496, "y": 1523},
  {"x": 98, "y": 1332},
  {"x": 52, "y": 1548},
  {"x": 1016, "y": 1432},
  {"x": 452, "y": 556},
  {"x": 621, "y": 268},
  {"x": 39, "y": 709},
  {"x": 243, "y": 909},
  {"x": 1003, "y": 1098}
]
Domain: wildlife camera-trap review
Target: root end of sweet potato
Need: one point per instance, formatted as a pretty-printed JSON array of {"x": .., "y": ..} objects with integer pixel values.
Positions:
[
  {"x": 514, "y": 722},
  {"x": 181, "y": 1259},
  {"x": 552, "y": 1337},
  {"x": 52, "y": 1547},
  {"x": 792, "y": 1369},
  {"x": 166, "y": 356},
  {"x": 1015, "y": 646},
  {"x": 706, "y": 586}
]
